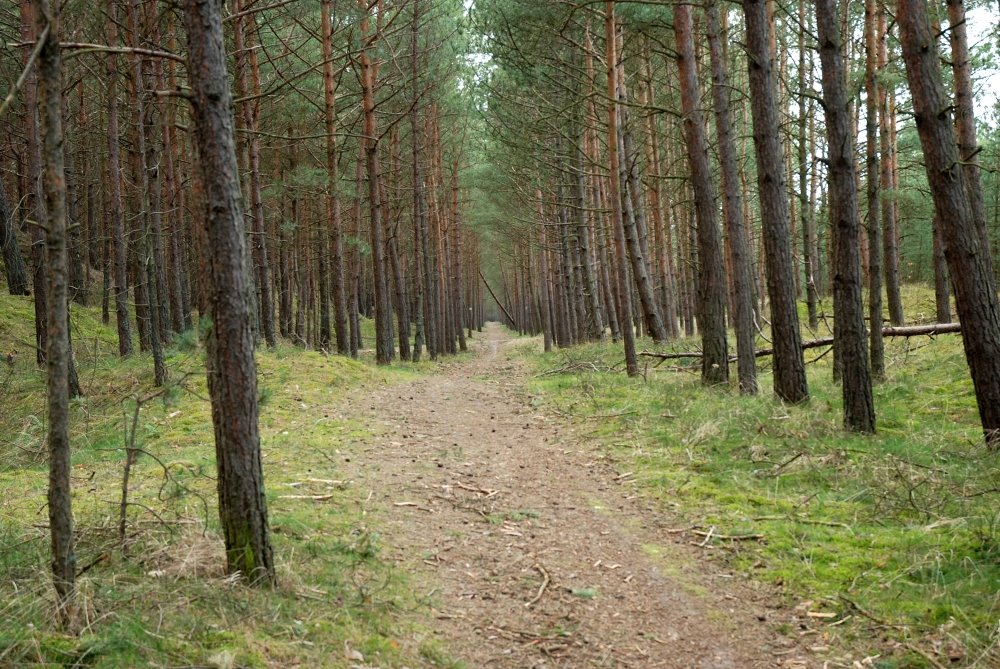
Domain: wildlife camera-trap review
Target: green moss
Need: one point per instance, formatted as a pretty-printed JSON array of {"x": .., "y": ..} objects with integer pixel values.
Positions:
[
  {"x": 891, "y": 522},
  {"x": 166, "y": 602}
]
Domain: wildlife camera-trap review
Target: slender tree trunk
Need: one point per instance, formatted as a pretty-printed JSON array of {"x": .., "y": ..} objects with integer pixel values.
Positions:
[
  {"x": 634, "y": 219},
  {"x": 617, "y": 222},
  {"x": 34, "y": 206},
  {"x": 147, "y": 159},
  {"x": 58, "y": 355},
  {"x": 741, "y": 277},
  {"x": 872, "y": 178},
  {"x": 383, "y": 305},
  {"x": 888, "y": 178},
  {"x": 969, "y": 263},
  {"x": 594, "y": 329},
  {"x": 806, "y": 216},
  {"x": 711, "y": 267},
  {"x": 332, "y": 195},
  {"x": 789, "y": 365},
  {"x": 248, "y": 84},
  {"x": 421, "y": 284},
  {"x": 849, "y": 324},
  {"x": 232, "y": 373}
]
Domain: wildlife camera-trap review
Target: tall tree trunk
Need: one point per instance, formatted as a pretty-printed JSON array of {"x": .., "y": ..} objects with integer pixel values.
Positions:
[
  {"x": 594, "y": 329},
  {"x": 383, "y": 305},
  {"x": 741, "y": 277},
  {"x": 614, "y": 194},
  {"x": 248, "y": 84},
  {"x": 149, "y": 204},
  {"x": 232, "y": 372},
  {"x": 789, "y": 364},
  {"x": 888, "y": 178},
  {"x": 969, "y": 263},
  {"x": 543, "y": 275},
  {"x": 711, "y": 267},
  {"x": 58, "y": 355},
  {"x": 421, "y": 284},
  {"x": 119, "y": 246},
  {"x": 807, "y": 219},
  {"x": 849, "y": 324},
  {"x": 340, "y": 326},
  {"x": 872, "y": 178},
  {"x": 634, "y": 219},
  {"x": 34, "y": 208}
]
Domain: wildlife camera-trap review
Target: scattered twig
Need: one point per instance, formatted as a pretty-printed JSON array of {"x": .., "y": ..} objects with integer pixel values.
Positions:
[{"x": 541, "y": 589}]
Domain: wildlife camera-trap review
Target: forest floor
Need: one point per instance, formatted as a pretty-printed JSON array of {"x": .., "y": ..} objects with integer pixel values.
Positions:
[{"x": 534, "y": 549}]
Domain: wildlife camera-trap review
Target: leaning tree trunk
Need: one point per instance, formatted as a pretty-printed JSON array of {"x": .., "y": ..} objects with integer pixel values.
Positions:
[
  {"x": 968, "y": 261},
  {"x": 232, "y": 372},
  {"x": 58, "y": 356},
  {"x": 789, "y": 365},
  {"x": 849, "y": 321},
  {"x": 711, "y": 266}
]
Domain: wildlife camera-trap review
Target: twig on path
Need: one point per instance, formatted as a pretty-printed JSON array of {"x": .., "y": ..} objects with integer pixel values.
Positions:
[
  {"x": 481, "y": 491},
  {"x": 712, "y": 534},
  {"x": 315, "y": 498},
  {"x": 541, "y": 589}
]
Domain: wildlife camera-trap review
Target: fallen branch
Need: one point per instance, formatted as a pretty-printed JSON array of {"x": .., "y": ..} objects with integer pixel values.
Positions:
[{"x": 903, "y": 331}]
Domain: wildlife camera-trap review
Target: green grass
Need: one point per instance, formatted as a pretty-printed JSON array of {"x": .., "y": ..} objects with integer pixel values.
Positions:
[
  {"x": 903, "y": 524},
  {"x": 166, "y": 602}
]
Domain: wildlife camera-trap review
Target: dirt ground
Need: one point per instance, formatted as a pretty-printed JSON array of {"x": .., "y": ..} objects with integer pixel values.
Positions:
[{"x": 537, "y": 552}]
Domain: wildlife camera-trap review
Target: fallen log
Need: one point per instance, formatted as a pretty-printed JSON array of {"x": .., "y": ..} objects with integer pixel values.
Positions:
[{"x": 899, "y": 331}]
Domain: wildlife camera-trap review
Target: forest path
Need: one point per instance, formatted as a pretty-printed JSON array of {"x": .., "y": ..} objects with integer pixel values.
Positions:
[{"x": 537, "y": 552}]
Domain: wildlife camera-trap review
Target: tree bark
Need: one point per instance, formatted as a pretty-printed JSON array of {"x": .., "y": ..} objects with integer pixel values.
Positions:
[
  {"x": 58, "y": 355},
  {"x": 969, "y": 263},
  {"x": 849, "y": 323},
  {"x": 383, "y": 305},
  {"x": 789, "y": 366},
  {"x": 711, "y": 266},
  {"x": 232, "y": 377},
  {"x": 872, "y": 179},
  {"x": 741, "y": 277},
  {"x": 340, "y": 326},
  {"x": 617, "y": 222},
  {"x": 120, "y": 248}
]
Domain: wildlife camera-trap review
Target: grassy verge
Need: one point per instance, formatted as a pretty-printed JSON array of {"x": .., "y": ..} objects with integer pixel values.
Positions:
[
  {"x": 163, "y": 600},
  {"x": 896, "y": 534}
]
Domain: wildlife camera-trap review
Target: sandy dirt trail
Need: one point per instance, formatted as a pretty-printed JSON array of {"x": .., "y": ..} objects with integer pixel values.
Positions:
[{"x": 536, "y": 551}]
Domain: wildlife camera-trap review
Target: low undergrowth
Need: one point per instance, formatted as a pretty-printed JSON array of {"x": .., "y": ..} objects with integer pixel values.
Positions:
[
  {"x": 161, "y": 598},
  {"x": 895, "y": 537}
]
